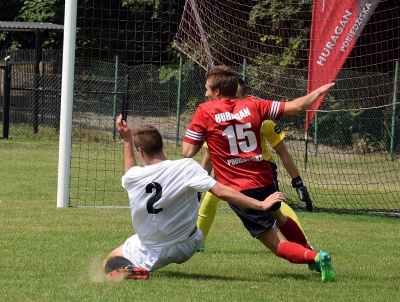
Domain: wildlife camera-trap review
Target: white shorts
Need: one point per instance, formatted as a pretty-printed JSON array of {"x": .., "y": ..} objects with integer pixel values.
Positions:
[{"x": 144, "y": 257}]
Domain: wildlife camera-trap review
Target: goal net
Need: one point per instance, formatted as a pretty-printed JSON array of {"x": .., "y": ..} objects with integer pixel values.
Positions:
[
  {"x": 349, "y": 155},
  {"x": 126, "y": 63},
  {"x": 148, "y": 59}
]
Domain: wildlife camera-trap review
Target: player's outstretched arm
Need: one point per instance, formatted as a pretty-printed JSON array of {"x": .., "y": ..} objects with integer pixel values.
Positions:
[
  {"x": 235, "y": 197},
  {"x": 301, "y": 104},
  {"x": 126, "y": 133}
]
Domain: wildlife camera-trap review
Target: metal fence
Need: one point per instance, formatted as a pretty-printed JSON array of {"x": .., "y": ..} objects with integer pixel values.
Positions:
[
  {"x": 34, "y": 97},
  {"x": 149, "y": 90}
]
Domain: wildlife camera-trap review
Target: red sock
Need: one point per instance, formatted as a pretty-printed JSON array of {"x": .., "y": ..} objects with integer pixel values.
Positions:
[
  {"x": 292, "y": 232},
  {"x": 295, "y": 253}
]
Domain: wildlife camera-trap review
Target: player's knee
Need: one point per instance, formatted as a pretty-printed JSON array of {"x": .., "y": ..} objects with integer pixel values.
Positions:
[{"x": 279, "y": 217}]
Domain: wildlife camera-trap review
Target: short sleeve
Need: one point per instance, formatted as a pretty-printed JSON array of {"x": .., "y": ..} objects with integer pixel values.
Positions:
[
  {"x": 272, "y": 133},
  {"x": 198, "y": 178},
  {"x": 270, "y": 110}
]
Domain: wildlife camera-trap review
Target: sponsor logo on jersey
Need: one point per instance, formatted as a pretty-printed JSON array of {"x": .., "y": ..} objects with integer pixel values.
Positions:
[
  {"x": 240, "y": 160},
  {"x": 227, "y": 116}
]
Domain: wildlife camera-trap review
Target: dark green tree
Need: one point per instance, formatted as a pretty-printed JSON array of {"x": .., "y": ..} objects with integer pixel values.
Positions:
[
  {"x": 137, "y": 31},
  {"x": 284, "y": 30},
  {"x": 51, "y": 11},
  {"x": 8, "y": 11}
]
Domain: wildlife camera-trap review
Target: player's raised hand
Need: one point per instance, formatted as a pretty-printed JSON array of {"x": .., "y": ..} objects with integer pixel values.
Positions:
[
  {"x": 324, "y": 88},
  {"x": 272, "y": 199},
  {"x": 123, "y": 128}
]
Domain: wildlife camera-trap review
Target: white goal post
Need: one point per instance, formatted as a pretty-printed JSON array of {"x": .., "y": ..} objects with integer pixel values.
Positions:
[{"x": 67, "y": 96}]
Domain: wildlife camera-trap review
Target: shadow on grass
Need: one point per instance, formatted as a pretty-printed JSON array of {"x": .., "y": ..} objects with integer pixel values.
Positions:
[{"x": 208, "y": 277}]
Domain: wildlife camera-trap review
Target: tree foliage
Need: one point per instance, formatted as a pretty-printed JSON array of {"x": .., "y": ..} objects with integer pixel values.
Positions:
[
  {"x": 8, "y": 12},
  {"x": 41, "y": 11},
  {"x": 51, "y": 11},
  {"x": 286, "y": 27},
  {"x": 137, "y": 31},
  {"x": 143, "y": 30}
]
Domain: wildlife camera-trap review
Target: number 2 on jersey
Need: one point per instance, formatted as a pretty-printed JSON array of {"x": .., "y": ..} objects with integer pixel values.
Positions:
[
  {"x": 155, "y": 198},
  {"x": 237, "y": 135}
]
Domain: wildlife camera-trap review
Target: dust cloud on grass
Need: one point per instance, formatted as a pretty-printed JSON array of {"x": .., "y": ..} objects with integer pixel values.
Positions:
[{"x": 96, "y": 273}]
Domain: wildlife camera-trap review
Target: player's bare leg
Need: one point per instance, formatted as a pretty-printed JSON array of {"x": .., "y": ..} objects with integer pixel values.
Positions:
[
  {"x": 271, "y": 239},
  {"x": 289, "y": 228},
  {"x": 117, "y": 267},
  {"x": 293, "y": 233},
  {"x": 286, "y": 210}
]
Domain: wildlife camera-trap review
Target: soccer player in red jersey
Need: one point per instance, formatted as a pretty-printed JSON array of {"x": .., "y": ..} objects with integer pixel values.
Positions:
[{"x": 231, "y": 129}]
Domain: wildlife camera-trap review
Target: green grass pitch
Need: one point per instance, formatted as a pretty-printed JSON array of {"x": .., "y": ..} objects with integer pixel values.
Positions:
[{"x": 51, "y": 254}]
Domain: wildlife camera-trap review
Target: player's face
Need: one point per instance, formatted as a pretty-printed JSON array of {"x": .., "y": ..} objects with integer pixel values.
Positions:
[{"x": 211, "y": 94}]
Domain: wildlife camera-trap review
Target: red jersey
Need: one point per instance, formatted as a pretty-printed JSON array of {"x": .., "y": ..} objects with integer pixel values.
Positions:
[{"x": 231, "y": 129}]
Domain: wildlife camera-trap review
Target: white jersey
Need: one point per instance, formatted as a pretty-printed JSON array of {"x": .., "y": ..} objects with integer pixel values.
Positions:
[{"x": 163, "y": 200}]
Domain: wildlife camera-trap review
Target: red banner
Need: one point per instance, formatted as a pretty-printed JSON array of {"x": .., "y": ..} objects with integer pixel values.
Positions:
[{"x": 336, "y": 26}]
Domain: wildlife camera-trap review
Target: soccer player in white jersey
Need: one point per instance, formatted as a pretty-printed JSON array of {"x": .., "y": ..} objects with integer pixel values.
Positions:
[{"x": 163, "y": 202}]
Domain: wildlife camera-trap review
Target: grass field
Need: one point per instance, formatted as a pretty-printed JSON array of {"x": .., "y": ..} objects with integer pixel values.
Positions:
[{"x": 51, "y": 254}]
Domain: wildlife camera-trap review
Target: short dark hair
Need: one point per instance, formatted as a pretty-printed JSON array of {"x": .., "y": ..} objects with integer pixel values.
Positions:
[
  {"x": 149, "y": 139},
  {"x": 223, "y": 78},
  {"x": 244, "y": 88}
]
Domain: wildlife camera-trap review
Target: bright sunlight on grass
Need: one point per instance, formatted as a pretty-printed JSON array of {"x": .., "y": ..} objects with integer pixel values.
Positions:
[{"x": 51, "y": 254}]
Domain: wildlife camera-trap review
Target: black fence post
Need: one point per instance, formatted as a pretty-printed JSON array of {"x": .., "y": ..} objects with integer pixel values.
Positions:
[
  {"x": 6, "y": 97},
  {"x": 36, "y": 83},
  {"x": 125, "y": 101}
]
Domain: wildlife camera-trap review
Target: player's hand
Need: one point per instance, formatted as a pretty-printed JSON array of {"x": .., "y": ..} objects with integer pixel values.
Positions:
[
  {"x": 272, "y": 199},
  {"x": 297, "y": 183},
  {"x": 305, "y": 197},
  {"x": 324, "y": 88},
  {"x": 123, "y": 128}
]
